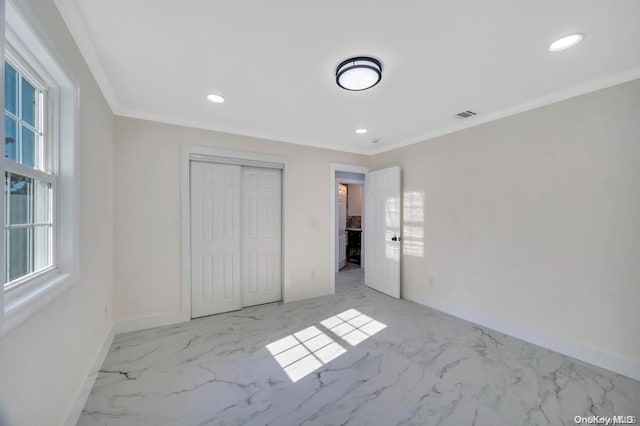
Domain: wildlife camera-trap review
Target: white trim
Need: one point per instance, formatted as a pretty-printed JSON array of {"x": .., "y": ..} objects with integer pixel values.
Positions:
[
  {"x": 552, "y": 98},
  {"x": 83, "y": 392},
  {"x": 235, "y": 161},
  {"x": 76, "y": 26},
  {"x": 617, "y": 364},
  {"x": 17, "y": 311},
  {"x": 350, "y": 181},
  {"x": 41, "y": 48},
  {"x": 241, "y": 157},
  {"x": 135, "y": 324},
  {"x": 41, "y": 55},
  {"x": 592, "y": 86},
  {"x": 177, "y": 121},
  {"x": 2, "y": 129},
  {"x": 333, "y": 168}
]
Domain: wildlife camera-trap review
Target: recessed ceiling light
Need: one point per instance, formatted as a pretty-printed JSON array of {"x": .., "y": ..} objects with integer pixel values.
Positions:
[
  {"x": 361, "y": 131},
  {"x": 566, "y": 42},
  {"x": 359, "y": 73},
  {"x": 216, "y": 99}
]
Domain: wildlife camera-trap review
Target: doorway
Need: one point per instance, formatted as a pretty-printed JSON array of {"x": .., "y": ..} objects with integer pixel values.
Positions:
[{"x": 347, "y": 220}]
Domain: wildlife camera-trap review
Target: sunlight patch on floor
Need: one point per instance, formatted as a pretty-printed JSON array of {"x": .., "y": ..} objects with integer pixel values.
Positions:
[
  {"x": 301, "y": 353},
  {"x": 353, "y": 326}
]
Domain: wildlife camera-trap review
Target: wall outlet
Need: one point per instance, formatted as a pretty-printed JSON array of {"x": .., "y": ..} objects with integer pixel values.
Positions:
[{"x": 106, "y": 311}]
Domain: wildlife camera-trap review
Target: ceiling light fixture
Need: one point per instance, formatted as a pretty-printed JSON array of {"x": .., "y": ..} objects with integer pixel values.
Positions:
[
  {"x": 216, "y": 99},
  {"x": 566, "y": 42},
  {"x": 359, "y": 73},
  {"x": 361, "y": 131}
]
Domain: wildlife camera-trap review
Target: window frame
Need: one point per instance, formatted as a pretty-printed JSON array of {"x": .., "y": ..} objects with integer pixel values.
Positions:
[
  {"x": 47, "y": 170},
  {"x": 23, "y": 39}
]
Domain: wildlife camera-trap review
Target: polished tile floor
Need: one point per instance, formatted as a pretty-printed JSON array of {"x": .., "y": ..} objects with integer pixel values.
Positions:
[{"x": 356, "y": 358}]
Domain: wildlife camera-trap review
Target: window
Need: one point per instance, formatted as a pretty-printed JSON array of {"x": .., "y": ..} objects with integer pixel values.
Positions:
[
  {"x": 29, "y": 178},
  {"x": 39, "y": 211}
]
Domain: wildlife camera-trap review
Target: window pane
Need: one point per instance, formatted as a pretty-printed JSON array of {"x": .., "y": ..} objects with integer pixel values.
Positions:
[
  {"x": 41, "y": 253},
  {"x": 18, "y": 252},
  {"x": 29, "y": 228},
  {"x": 10, "y": 89},
  {"x": 41, "y": 194},
  {"x": 19, "y": 195},
  {"x": 10, "y": 139},
  {"x": 29, "y": 148},
  {"x": 29, "y": 95}
]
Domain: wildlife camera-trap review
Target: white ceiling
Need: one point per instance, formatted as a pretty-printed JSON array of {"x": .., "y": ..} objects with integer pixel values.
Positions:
[{"x": 275, "y": 62}]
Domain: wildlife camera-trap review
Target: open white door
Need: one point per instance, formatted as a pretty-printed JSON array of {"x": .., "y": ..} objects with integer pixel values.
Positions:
[{"x": 382, "y": 204}]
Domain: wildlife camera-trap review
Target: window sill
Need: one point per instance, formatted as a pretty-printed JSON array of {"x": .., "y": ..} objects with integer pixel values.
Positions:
[{"x": 24, "y": 301}]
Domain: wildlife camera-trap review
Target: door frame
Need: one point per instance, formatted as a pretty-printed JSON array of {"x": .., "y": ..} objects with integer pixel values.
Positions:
[
  {"x": 337, "y": 217},
  {"x": 347, "y": 182},
  {"x": 225, "y": 156},
  {"x": 333, "y": 168}
]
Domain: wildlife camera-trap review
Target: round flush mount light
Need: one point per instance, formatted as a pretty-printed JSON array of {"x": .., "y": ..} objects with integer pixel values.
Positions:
[
  {"x": 361, "y": 131},
  {"x": 566, "y": 42},
  {"x": 216, "y": 99},
  {"x": 359, "y": 73}
]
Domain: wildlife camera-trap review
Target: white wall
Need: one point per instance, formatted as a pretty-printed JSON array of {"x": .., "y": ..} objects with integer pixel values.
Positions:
[
  {"x": 354, "y": 203},
  {"x": 531, "y": 224},
  {"x": 45, "y": 360},
  {"x": 147, "y": 213}
]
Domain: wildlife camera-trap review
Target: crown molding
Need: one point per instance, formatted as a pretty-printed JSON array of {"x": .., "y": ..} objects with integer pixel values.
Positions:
[
  {"x": 552, "y": 98},
  {"x": 76, "y": 24},
  {"x": 167, "y": 119}
]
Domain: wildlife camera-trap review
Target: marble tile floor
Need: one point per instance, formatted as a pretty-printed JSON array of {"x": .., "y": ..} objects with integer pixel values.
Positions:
[{"x": 355, "y": 358}]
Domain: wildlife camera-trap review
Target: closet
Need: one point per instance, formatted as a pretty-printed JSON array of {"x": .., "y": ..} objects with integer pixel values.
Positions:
[{"x": 236, "y": 240}]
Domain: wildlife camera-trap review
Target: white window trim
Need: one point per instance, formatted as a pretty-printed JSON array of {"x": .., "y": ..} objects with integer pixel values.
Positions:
[
  {"x": 20, "y": 302},
  {"x": 47, "y": 127}
]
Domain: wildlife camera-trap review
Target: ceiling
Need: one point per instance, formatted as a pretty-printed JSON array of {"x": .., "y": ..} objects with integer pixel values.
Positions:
[{"x": 275, "y": 61}]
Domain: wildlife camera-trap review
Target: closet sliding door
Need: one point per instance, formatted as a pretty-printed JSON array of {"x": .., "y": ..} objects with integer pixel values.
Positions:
[
  {"x": 261, "y": 236},
  {"x": 236, "y": 228},
  {"x": 215, "y": 238}
]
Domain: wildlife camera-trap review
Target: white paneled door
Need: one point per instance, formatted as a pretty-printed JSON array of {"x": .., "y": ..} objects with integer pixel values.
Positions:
[
  {"x": 382, "y": 229},
  {"x": 235, "y": 237},
  {"x": 215, "y": 238},
  {"x": 261, "y": 230}
]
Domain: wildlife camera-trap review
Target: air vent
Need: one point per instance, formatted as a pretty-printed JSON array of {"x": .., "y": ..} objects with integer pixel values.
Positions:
[{"x": 465, "y": 114}]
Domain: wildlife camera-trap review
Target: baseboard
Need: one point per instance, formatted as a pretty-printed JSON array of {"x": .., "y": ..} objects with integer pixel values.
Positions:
[
  {"x": 136, "y": 324},
  {"x": 84, "y": 391},
  {"x": 617, "y": 364}
]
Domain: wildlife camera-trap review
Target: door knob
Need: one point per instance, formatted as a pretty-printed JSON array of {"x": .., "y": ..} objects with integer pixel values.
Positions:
[{"x": 394, "y": 238}]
